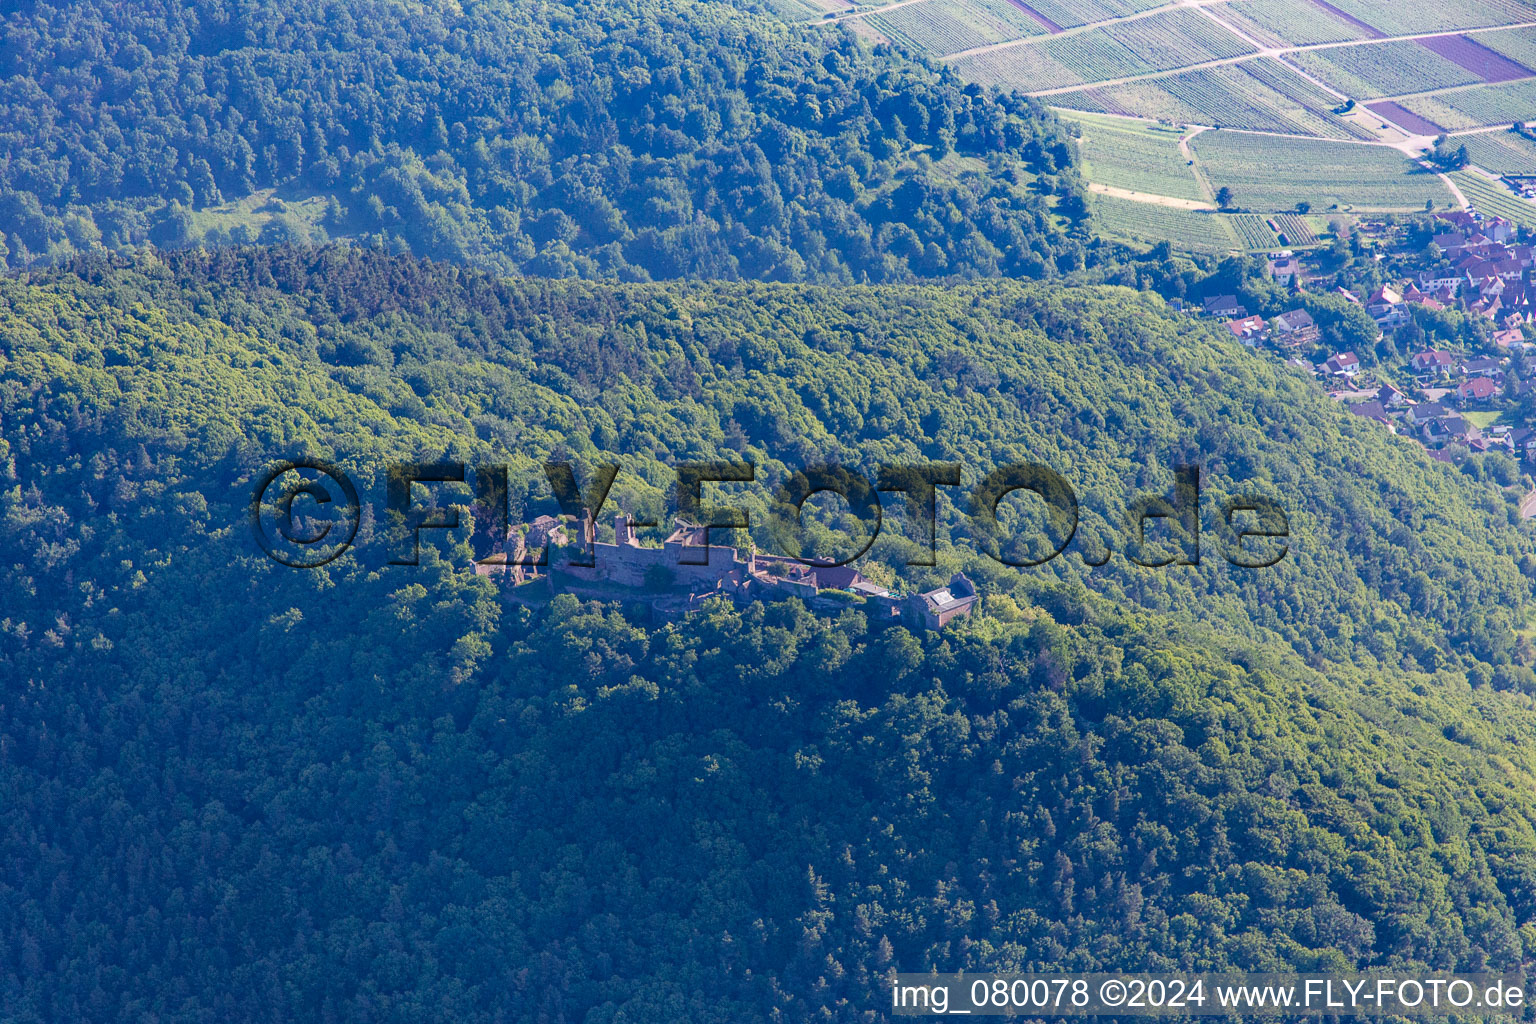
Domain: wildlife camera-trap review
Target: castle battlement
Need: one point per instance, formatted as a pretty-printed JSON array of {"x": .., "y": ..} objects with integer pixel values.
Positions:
[{"x": 686, "y": 570}]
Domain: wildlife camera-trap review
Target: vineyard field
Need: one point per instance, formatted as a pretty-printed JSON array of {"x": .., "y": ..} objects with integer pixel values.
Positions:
[
  {"x": 1071, "y": 13},
  {"x": 1258, "y": 95},
  {"x": 1371, "y": 70},
  {"x": 1396, "y": 113},
  {"x": 1491, "y": 198},
  {"x": 1290, "y": 22},
  {"x": 1137, "y": 156},
  {"x": 1488, "y": 65},
  {"x": 1174, "y": 101},
  {"x": 1253, "y": 232},
  {"x": 1303, "y": 95},
  {"x": 1033, "y": 66},
  {"x": 1296, "y": 229},
  {"x": 1479, "y": 106},
  {"x": 1160, "y": 42},
  {"x": 1406, "y": 17},
  {"x": 1275, "y": 174},
  {"x": 1147, "y": 222},
  {"x": 1518, "y": 44},
  {"x": 1177, "y": 38},
  {"x": 1500, "y": 152},
  {"x": 938, "y": 27}
]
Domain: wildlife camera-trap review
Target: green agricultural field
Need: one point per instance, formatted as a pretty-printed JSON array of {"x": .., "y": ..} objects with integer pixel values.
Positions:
[
  {"x": 1405, "y": 17},
  {"x": 1254, "y": 233},
  {"x": 1290, "y": 22},
  {"x": 1071, "y": 13},
  {"x": 1258, "y": 95},
  {"x": 1176, "y": 38},
  {"x": 1296, "y": 229},
  {"x": 1518, "y": 44},
  {"x": 939, "y": 27},
  {"x": 1160, "y": 42},
  {"x": 1138, "y": 156},
  {"x": 1502, "y": 152},
  {"x": 1490, "y": 197},
  {"x": 1308, "y": 101},
  {"x": 1042, "y": 66},
  {"x": 1369, "y": 70},
  {"x": 1479, "y": 106},
  {"x": 1269, "y": 173},
  {"x": 1149, "y": 222}
]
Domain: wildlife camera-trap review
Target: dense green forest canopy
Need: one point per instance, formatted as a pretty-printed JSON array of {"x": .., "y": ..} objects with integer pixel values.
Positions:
[
  {"x": 631, "y": 139},
  {"x": 1393, "y": 557},
  {"x": 240, "y": 791},
  {"x": 235, "y": 791}
]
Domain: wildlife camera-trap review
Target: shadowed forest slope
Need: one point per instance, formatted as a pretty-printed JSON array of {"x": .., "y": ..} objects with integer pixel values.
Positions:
[
  {"x": 629, "y": 139},
  {"x": 240, "y": 791}
]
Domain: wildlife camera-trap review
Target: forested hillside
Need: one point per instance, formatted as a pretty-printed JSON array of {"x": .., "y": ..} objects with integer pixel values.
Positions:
[
  {"x": 629, "y": 139},
  {"x": 1393, "y": 556},
  {"x": 240, "y": 791}
]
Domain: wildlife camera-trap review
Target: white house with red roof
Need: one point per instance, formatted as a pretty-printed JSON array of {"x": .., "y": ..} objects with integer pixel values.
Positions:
[
  {"x": 1512, "y": 338},
  {"x": 1345, "y": 364},
  {"x": 1478, "y": 389},
  {"x": 1250, "y": 330},
  {"x": 1386, "y": 306},
  {"x": 1433, "y": 361}
]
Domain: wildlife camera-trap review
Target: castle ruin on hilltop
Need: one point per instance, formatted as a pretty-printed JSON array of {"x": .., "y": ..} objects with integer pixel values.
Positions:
[{"x": 686, "y": 570}]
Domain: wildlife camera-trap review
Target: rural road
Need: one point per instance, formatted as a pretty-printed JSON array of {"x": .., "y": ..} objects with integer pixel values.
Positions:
[
  {"x": 1077, "y": 30},
  {"x": 1150, "y": 198},
  {"x": 854, "y": 15}
]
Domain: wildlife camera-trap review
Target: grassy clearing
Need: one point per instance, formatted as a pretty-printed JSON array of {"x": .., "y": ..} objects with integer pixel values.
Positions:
[
  {"x": 1320, "y": 222},
  {"x": 261, "y": 217},
  {"x": 1481, "y": 418}
]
